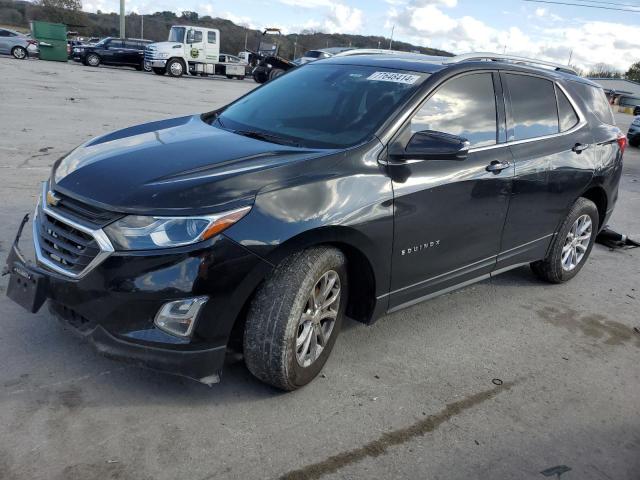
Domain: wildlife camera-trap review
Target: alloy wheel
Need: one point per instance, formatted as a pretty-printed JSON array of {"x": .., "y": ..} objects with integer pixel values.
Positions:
[
  {"x": 318, "y": 319},
  {"x": 19, "y": 53},
  {"x": 577, "y": 242},
  {"x": 93, "y": 60},
  {"x": 176, "y": 69}
]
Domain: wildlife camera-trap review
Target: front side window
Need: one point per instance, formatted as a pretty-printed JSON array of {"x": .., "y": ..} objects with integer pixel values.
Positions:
[
  {"x": 323, "y": 106},
  {"x": 114, "y": 43},
  {"x": 194, "y": 36},
  {"x": 568, "y": 116},
  {"x": 533, "y": 106},
  {"x": 211, "y": 37},
  {"x": 464, "y": 106}
]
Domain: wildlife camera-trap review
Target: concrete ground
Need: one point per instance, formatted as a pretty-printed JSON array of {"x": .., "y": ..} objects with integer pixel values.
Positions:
[{"x": 410, "y": 397}]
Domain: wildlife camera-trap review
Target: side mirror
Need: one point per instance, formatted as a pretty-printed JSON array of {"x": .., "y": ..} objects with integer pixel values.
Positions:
[{"x": 431, "y": 145}]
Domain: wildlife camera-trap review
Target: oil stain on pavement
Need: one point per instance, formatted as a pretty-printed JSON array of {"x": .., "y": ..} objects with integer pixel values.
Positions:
[
  {"x": 593, "y": 325},
  {"x": 380, "y": 446}
]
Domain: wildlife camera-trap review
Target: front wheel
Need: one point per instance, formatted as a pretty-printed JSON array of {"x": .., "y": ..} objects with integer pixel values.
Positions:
[
  {"x": 175, "y": 68},
  {"x": 295, "y": 318},
  {"x": 19, "y": 52},
  {"x": 572, "y": 244},
  {"x": 275, "y": 73}
]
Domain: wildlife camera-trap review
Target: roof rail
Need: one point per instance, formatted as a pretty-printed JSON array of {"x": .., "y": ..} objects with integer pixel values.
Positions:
[{"x": 498, "y": 57}]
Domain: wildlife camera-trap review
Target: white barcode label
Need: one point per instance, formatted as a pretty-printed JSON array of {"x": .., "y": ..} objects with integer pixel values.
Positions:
[{"x": 394, "y": 77}]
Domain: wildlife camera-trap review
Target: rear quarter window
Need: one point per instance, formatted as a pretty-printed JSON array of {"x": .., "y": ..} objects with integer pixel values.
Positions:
[{"x": 596, "y": 101}]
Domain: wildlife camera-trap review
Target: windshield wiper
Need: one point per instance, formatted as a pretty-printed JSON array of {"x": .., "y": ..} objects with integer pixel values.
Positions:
[{"x": 267, "y": 137}]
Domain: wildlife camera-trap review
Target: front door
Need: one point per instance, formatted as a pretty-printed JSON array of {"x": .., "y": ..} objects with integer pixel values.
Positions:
[
  {"x": 449, "y": 214},
  {"x": 195, "y": 49}
]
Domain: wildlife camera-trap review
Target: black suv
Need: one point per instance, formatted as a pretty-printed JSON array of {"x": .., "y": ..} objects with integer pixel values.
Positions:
[
  {"x": 112, "y": 51},
  {"x": 378, "y": 182}
]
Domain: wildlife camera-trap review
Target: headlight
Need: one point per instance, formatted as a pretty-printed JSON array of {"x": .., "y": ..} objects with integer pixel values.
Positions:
[
  {"x": 136, "y": 232},
  {"x": 163, "y": 55}
]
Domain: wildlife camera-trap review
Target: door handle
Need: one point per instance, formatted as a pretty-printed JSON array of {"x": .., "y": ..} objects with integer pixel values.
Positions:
[
  {"x": 580, "y": 147},
  {"x": 497, "y": 167}
]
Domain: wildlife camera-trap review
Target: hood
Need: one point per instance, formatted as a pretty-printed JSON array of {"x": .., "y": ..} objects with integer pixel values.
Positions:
[
  {"x": 166, "y": 46},
  {"x": 177, "y": 166}
]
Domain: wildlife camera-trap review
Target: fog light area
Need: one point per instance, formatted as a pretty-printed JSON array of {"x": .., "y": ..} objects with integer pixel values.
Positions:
[{"x": 179, "y": 317}]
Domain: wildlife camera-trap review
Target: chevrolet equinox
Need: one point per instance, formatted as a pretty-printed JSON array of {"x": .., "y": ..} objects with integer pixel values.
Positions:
[{"x": 351, "y": 186}]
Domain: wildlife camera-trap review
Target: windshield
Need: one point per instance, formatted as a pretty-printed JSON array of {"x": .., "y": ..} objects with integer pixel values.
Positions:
[
  {"x": 323, "y": 106},
  {"x": 176, "y": 34},
  {"x": 102, "y": 42}
]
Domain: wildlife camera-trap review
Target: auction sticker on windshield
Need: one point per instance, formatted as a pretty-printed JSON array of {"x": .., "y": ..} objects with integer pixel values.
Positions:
[{"x": 394, "y": 77}]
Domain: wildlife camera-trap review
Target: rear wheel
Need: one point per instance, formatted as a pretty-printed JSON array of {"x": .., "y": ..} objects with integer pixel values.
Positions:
[
  {"x": 572, "y": 244},
  {"x": 92, "y": 60},
  {"x": 275, "y": 73},
  {"x": 19, "y": 52},
  {"x": 295, "y": 318},
  {"x": 159, "y": 70},
  {"x": 175, "y": 67}
]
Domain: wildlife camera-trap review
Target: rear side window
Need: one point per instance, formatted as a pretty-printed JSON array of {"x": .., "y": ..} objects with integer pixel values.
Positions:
[
  {"x": 464, "y": 106},
  {"x": 597, "y": 102},
  {"x": 114, "y": 43},
  {"x": 568, "y": 116},
  {"x": 211, "y": 37},
  {"x": 533, "y": 106}
]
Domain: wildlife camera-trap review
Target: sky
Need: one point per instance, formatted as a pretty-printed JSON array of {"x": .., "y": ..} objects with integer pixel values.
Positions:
[{"x": 545, "y": 31}]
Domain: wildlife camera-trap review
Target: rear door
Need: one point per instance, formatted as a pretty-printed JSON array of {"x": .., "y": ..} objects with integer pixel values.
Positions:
[
  {"x": 553, "y": 163},
  {"x": 449, "y": 214}
]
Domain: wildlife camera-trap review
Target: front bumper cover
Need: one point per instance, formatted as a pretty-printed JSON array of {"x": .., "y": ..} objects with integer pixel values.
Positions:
[{"x": 115, "y": 304}]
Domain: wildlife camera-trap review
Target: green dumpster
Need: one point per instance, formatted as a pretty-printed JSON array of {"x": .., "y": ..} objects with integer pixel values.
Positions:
[{"x": 52, "y": 40}]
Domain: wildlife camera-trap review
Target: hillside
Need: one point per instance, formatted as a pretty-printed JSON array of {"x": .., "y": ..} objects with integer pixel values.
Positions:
[{"x": 156, "y": 27}]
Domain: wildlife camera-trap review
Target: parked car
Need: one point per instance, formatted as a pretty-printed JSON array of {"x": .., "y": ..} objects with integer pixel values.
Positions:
[
  {"x": 20, "y": 45},
  {"x": 74, "y": 45},
  {"x": 113, "y": 51},
  {"x": 353, "y": 186},
  {"x": 633, "y": 135},
  {"x": 636, "y": 110},
  {"x": 313, "y": 55}
]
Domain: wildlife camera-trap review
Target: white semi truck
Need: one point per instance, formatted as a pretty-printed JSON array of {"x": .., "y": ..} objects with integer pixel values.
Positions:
[{"x": 192, "y": 50}]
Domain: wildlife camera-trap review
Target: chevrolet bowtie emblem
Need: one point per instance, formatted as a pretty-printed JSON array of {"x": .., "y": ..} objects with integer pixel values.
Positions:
[{"x": 52, "y": 200}]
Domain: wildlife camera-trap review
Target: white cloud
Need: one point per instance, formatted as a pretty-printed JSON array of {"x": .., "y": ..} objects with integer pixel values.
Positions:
[
  {"x": 307, "y": 3},
  {"x": 339, "y": 18},
  {"x": 425, "y": 23}
]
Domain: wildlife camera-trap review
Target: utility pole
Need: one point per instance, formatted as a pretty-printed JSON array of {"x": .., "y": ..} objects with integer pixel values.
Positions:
[
  {"x": 122, "y": 32},
  {"x": 142, "y": 26},
  {"x": 245, "y": 40},
  {"x": 570, "y": 55},
  {"x": 295, "y": 47},
  {"x": 391, "y": 39}
]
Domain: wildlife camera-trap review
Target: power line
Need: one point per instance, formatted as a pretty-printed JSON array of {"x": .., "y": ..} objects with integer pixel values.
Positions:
[
  {"x": 584, "y": 5},
  {"x": 633, "y": 5}
]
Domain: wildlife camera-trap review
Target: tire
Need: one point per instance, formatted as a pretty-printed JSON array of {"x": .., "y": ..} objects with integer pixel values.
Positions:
[
  {"x": 260, "y": 77},
  {"x": 230, "y": 77},
  {"x": 240, "y": 77},
  {"x": 633, "y": 143},
  {"x": 159, "y": 70},
  {"x": 19, "y": 53},
  {"x": 281, "y": 315},
  {"x": 92, "y": 60},
  {"x": 275, "y": 73},
  {"x": 146, "y": 67},
  {"x": 552, "y": 268},
  {"x": 139, "y": 68},
  {"x": 175, "y": 68}
]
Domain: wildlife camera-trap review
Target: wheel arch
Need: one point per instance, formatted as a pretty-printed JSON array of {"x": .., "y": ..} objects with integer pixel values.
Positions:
[
  {"x": 598, "y": 195},
  {"x": 362, "y": 304}
]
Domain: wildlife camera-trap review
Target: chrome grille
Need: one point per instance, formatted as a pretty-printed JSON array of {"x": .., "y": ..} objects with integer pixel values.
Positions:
[{"x": 66, "y": 245}]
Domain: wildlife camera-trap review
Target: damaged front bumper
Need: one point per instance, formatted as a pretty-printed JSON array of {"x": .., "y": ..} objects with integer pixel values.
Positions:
[{"x": 114, "y": 305}]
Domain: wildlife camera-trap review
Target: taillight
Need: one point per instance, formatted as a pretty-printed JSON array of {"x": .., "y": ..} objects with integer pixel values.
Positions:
[
  {"x": 32, "y": 42},
  {"x": 622, "y": 142}
]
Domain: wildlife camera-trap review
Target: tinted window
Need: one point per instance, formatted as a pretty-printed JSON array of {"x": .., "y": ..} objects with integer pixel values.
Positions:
[
  {"x": 568, "y": 116},
  {"x": 211, "y": 37},
  {"x": 131, "y": 44},
  {"x": 4, "y": 33},
  {"x": 312, "y": 54},
  {"x": 533, "y": 106},
  {"x": 325, "y": 106},
  {"x": 114, "y": 43},
  {"x": 596, "y": 101},
  {"x": 464, "y": 106}
]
